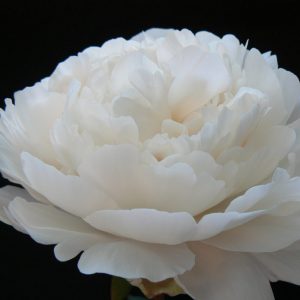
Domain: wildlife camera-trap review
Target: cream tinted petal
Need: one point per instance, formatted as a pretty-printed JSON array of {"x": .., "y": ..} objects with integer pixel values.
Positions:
[
  {"x": 225, "y": 275},
  {"x": 10, "y": 165},
  {"x": 232, "y": 46},
  {"x": 36, "y": 105},
  {"x": 261, "y": 76},
  {"x": 7, "y": 194},
  {"x": 109, "y": 167},
  {"x": 147, "y": 225},
  {"x": 195, "y": 81},
  {"x": 276, "y": 208},
  {"x": 153, "y": 86},
  {"x": 263, "y": 234},
  {"x": 267, "y": 196},
  {"x": 73, "y": 68},
  {"x": 207, "y": 37},
  {"x": 70, "y": 146},
  {"x": 18, "y": 130},
  {"x": 75, "y": 243},
  {"x": 153, "y": 33},
  {"x": 167, "y": 48},
  {"x": 212, "y": 224},
  {"x": 65, "y": 191},
  {"x": 102, "y": 253},
  {"x": 200, "y": 161},
  {"x": 178, "y": 188},
  {"x": 148, "y": 121},
  {"x": 128, "y": 65},
  {"x": 130, "y": 259},
  {"x": 283, "y": 265},
  {"x": 46, "y": 224},
  {"x": 174, "y": 188},
  {"x": 260, "y": 156},
  {"x": 291, "y": 92},
  {"x": 271, "y": 59}
]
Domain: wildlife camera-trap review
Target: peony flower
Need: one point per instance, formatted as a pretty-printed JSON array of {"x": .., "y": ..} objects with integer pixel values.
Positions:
[{"x": 170, "y": 159}]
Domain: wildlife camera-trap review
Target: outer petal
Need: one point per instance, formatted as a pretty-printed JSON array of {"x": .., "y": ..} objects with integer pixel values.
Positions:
[
  {"x": 224, "y": 275},
  {"x": 103, "y": 253},
  {"x": 153, "y": 226},
  {"x": 147, "y": 225},
  {"x": 276, "y": 226},
  {"x": 130, "y": 259},
  {"x": 282, "y": 189},
  {"x": 18, "y": 130},
  {"x": 215, "y": 223},
  {"x": 45, "y": 223},
  {"x": 283, "y": 265},
  {"x": 7, "y": 194},
  {"x": 70, "y": 193},
  {"x": 264, "y": 234}
]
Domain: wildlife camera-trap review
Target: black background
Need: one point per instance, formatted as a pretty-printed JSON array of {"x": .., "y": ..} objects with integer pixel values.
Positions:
[{"x": 34, "y": 38}]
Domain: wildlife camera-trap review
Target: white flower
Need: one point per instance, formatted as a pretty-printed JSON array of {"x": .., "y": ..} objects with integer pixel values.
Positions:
[{"x": 170, "y": 155}]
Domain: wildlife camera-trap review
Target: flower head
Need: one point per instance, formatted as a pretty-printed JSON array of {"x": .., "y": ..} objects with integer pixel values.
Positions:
[{"x": 170, "y": 156}]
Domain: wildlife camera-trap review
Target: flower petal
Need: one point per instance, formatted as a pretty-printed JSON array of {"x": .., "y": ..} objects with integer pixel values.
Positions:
[
  {"x": 291, "y": 91},
  {"x": 130, "y": 259},
  {"x": 263, "y": 234},
  {"x": 174, "y": 188},
  {"x": 224, "y": 275},
  {"x": 283, "y": 265},
  {"x": 198, "y": 77},
  {"x": 7, "y": 194},
  {"x": 45, "y": 223},
  {"x": 68, "y": 192},
  {"x": 261, "y": 197},
  {"x": 103, "y": 253},
  {"x": 153, "y": 33},
  {"x": 147, "y": 120},
  {"x": 277, "y": 224},
  {"x": 213, "y": 224},
  {"x": 147, "y": 225},
  {"x": 262, "y": 77},
  {"x": 48, "y": 225}
]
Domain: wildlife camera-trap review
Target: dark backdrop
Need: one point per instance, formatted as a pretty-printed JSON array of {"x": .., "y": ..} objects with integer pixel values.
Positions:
[{"x": 34, "y": 38}]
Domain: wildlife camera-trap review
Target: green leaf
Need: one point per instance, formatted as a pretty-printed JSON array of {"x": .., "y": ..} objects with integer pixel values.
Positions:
[{"x": 119, "y": 289}]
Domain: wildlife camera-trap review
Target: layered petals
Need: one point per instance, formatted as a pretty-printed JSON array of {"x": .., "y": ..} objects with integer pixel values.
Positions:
[
  {"x": 278, "y": 217},
  {"x": 102, "y": 253},
  {"x": 68, "y": 192},
  {"x": 175, "y": 188}
]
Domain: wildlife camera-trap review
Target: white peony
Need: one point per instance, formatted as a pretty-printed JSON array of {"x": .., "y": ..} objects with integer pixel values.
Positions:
[{"x": 170, "y": 155}]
